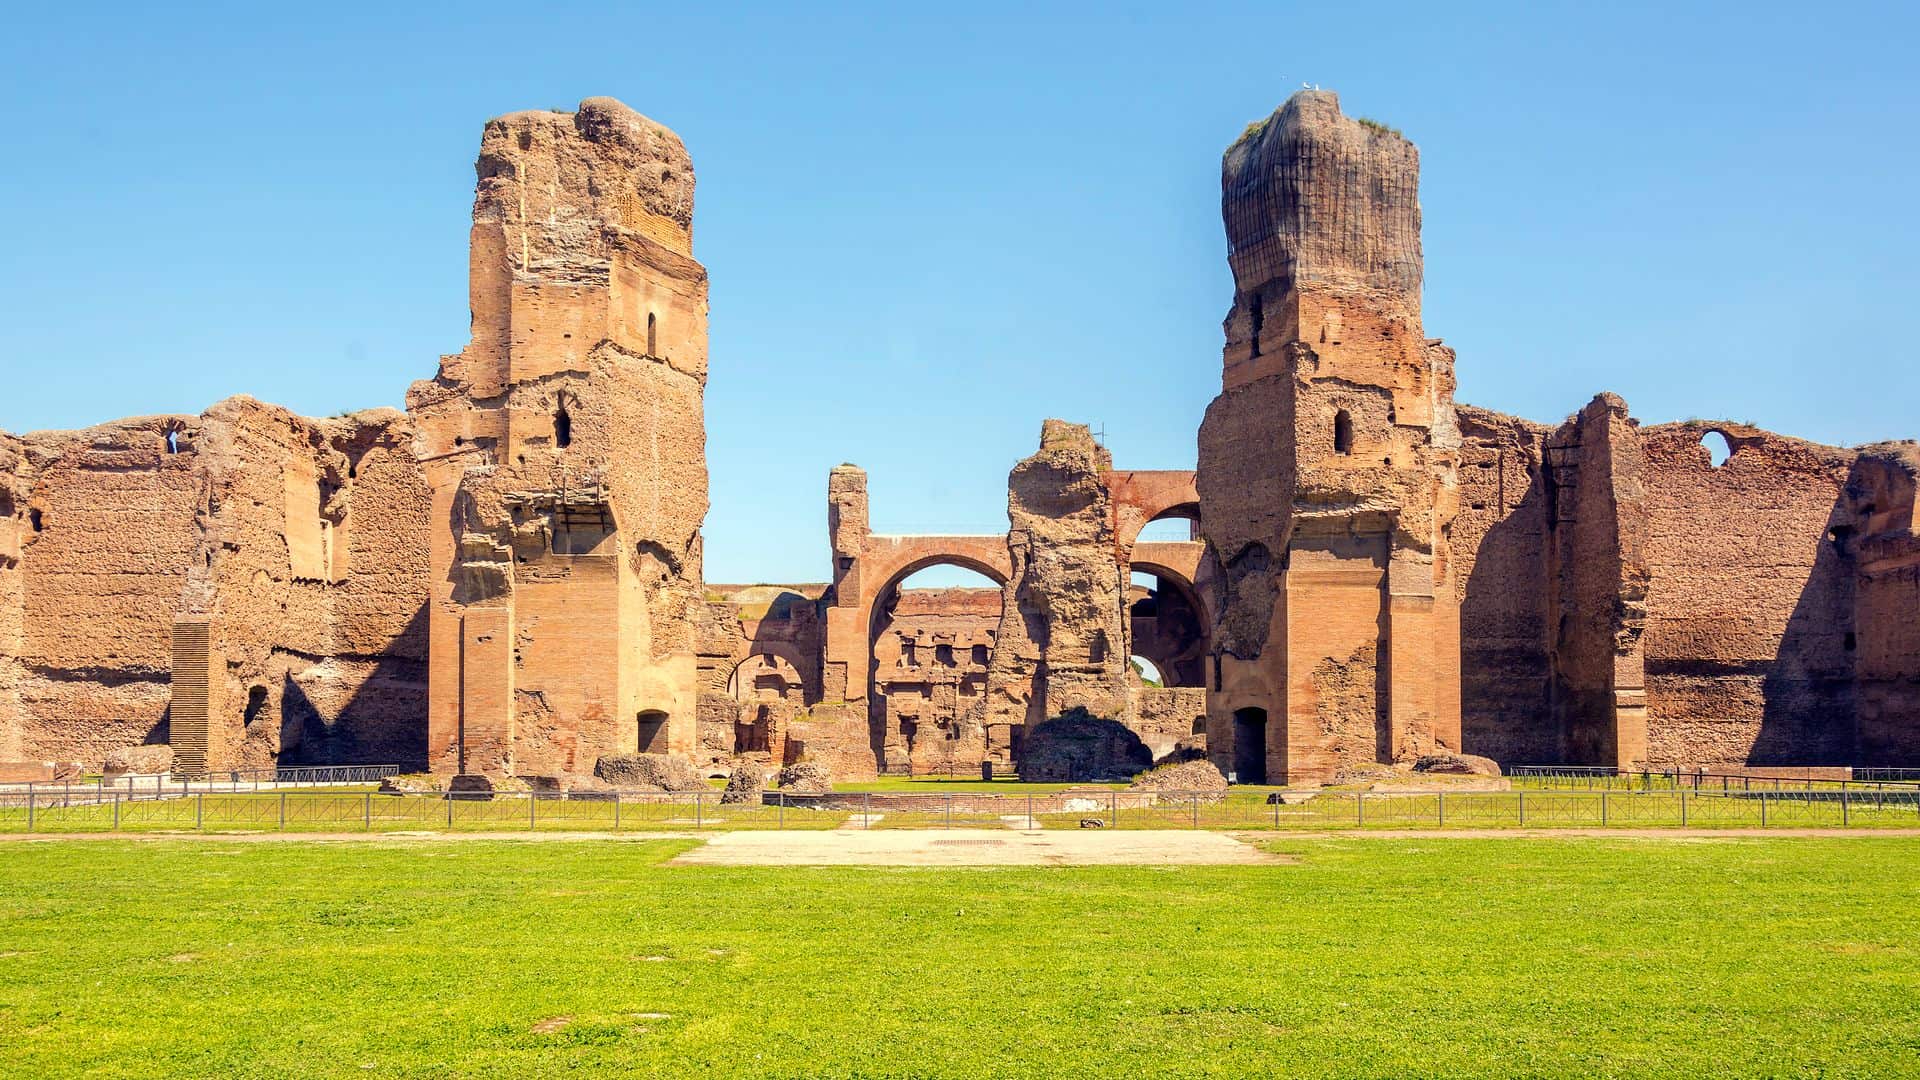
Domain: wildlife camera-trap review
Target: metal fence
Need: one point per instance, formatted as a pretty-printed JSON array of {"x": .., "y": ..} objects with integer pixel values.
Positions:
[
  {"x": 227, "y": 780},
  {"x": 605, "y": 811},
  {"x": 1598, "y": 778}
]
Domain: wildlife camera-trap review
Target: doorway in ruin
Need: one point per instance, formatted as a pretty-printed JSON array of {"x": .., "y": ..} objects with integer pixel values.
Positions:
[
  {"x": 931, "y": 642},
  {"x": 1250, "y": 746}
]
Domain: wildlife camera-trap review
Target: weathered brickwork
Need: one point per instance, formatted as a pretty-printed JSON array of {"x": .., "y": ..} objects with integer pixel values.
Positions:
[{"x": 505, "y": 579}]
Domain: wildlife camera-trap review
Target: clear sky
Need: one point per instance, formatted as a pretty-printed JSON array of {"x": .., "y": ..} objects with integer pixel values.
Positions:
[{"x": 929, "y": 231}]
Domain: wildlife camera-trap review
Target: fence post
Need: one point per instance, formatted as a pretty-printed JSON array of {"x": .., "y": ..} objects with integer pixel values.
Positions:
[
  {"x": 866, "y": 809},
  {"x": 1683, "y": 809},
  {"x": 199, "y": 811},
  {"x": 1442, "y": 802},
  {"x": 1523, "y": 808},
  {"x": 1196, "y": 810},
  {"x": 1846, "y": 817},
  {"x": 283, "y": 810},
  {"x": 949, "y": 797},
  {"x": 533, "y": 800},
  {"x": 1029, "y": 813},
  {"x": 116, "y": 810},
  {"x": 616, "y": 811},
  {"x": 366, "y": 810},
  {"x": 1763, "y": 809},
  {"x": 1603, "y": 808},
  {"x": 1359, "y": 809},
  {"x": 780, "y": 820},
  {"x": 29, "y": 808}
]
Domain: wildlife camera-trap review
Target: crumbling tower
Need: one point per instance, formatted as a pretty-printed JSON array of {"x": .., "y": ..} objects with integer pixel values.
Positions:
[
  {"x": 566, "y": 451},
  {"x": 1327, "y": 464}
]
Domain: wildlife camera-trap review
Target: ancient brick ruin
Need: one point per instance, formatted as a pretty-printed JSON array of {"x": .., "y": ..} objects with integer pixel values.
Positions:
[{"x": 505, "y": 579}]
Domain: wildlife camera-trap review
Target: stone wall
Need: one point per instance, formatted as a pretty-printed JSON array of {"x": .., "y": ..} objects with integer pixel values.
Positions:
[
  {"x": 1750, "y": 603},
  {"x": 1500, "y": 537},
  {"x": 566, "y": 447},
  {"x": 1327, "y": 468},
  {"x": 105, "y": 532},
  {"x": 310, "y": 569},
  {"x": 1885, "y": 548}
]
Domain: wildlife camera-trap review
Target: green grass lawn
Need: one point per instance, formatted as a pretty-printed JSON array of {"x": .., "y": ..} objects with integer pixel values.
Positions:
[{"x": 1367, "y": 957}]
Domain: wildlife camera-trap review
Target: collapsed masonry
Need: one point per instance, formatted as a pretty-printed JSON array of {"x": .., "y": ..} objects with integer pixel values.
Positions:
[{"x": 506, "y": 578}]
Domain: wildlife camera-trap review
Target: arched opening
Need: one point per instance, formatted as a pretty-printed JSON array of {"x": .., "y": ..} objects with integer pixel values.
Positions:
[
  {"x": 1174, "y": 525},
  {"x": 562, "y": 424},
  {"x": 1147, "y": 670},
  {"x": 1719, "y": 447},
  {"x": 34, "y": 520},
  {"x": 653, "y": 343},
  {"x": 652, "y": 732},
  {"x": 1250, "y": 746},
  {"x": 931, "y": 643},
  {"x": 768, "y": 691},
  {"x": 1169, "y": 626},
  {"x": 1342, "y": 432},
  {"x": 173, "y": 440}
]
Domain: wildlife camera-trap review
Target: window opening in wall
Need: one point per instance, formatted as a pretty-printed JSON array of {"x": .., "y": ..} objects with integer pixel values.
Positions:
[
  {"x": 1342, "y": 432},
  {"x": 256, "y": 702},
  {"x": 34, "y": 519},
  {"x": 979, "y": 654},
  {"x": 562, "y": 425},
  {"x": 653, "y": 732},
  {"x": 943, "y": 655},
  {"x": 1719, "y": 447},
  {"x": 173, "y": 440},
  {"x": 653, "y": 347},
  {"x": 1097, "y": 653}
]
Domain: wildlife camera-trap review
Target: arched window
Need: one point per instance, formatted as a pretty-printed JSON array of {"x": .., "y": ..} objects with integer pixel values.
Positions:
[
  {"x": 1342, "y": 432},
  {"x": 653, "y": 341},
  {"x": 653, "y": 732},
  {"x": 1719, "y": 447},
  {"x": 562, "y": 425}
]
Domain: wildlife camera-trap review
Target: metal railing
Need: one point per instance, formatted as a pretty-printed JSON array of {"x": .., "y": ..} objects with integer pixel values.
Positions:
[
  {"x": 158, "y": 786},
  {"x": 1599, "y": 777},
  {"x": 624, "y": 811}
]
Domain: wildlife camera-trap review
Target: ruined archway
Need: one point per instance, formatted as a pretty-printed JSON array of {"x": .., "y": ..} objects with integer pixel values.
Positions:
[
  {"x": 930, "y": 641},
  {"x": 1168, "y": 623}
]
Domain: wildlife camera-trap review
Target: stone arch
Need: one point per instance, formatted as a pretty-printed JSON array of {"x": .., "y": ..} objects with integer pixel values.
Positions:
[
  {"x": 767, "y": 675},
  {"x": 1171, "y": 625},
  {"x": 1138, "y": 497},
  {"x": 928, "y": 652}
]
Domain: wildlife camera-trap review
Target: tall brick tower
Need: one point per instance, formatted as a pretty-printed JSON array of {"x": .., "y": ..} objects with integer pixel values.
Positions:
[
  {"x": 1327, "y": 464},
  {"x": 566, "y": 453}
]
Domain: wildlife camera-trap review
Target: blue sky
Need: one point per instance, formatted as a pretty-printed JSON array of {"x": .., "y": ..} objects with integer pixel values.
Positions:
[{"x": 928, "y": 232}]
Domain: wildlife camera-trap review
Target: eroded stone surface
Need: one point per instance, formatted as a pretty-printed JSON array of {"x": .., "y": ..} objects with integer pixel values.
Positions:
[{"x": 504, "y": 581}]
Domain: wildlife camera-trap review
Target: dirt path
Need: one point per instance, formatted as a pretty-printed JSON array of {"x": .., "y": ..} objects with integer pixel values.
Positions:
[{"x": 976, "y": 847}]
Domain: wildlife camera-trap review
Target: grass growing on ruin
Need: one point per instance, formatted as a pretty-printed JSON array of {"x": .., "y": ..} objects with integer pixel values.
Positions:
[{"x": 1367, "y": 957}]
